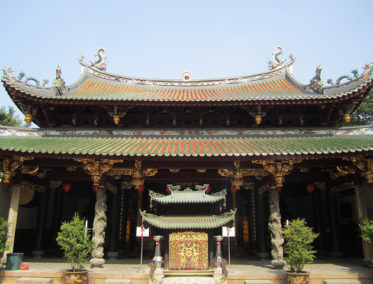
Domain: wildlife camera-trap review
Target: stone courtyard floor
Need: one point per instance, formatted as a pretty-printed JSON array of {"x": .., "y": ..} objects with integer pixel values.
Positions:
[{"x": 239, "y": 270}]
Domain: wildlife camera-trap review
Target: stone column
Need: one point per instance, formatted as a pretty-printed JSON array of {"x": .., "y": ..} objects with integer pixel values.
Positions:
[
  {"x": 362, "y": 213},
  {"x": 260, "y": 233},
  {"x": 12, "y": 218},
  {"x": 319, "y": 222},
  {"x": 57, "y": 208},
  {"x": 332, "y": 200},
  {"x": 114, "y": 228},
  {"x": 275, "y": 229},
  {"x": 99, "y": 225},
  {"x": 41, "y": 220}
]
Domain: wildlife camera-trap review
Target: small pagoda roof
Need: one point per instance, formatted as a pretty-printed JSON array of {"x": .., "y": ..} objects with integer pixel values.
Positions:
[
  {"x": 186, "y": 147},
  {"x": 188, "y": 222},
  {"x": 94, "y": 85},
  {"x": 187, "y": 196}
]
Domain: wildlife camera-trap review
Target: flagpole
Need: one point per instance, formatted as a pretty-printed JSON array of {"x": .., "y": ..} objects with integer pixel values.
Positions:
[{"x": 142, "y": 242}]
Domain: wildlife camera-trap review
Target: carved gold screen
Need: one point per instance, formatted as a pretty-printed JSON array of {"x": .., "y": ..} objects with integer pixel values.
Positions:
[{"x": 188, "y": 250}]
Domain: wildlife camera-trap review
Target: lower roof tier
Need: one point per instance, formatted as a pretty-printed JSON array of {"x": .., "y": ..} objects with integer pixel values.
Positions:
[
  {"x": 184, "y": 147},
  {"x": 188, "y": 222}
]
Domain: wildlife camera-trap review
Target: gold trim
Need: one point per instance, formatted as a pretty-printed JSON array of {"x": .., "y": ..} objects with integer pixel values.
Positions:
[{"x": 278, "y": 169}]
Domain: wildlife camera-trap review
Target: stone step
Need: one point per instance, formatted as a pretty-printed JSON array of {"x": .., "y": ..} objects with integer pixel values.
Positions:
[
  {"x": 258, "y": 282},
  {"x": 118, "y": 281},
  {"x": 29, "y": 280},
  {"x": 189, "y": 280},
  {"x": 342, "y": 281}
]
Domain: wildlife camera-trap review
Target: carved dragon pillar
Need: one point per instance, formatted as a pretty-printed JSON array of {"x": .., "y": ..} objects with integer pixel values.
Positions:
[
  {"x": 278, "y": 170},
  {"x": 96, "y": 169}
]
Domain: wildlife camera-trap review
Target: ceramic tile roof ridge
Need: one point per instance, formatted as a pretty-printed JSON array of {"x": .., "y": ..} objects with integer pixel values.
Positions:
[
  {"x": 217, "y": 146},
  {"x": 188, "y": 222},
  {"x": 185, "y": 196}
]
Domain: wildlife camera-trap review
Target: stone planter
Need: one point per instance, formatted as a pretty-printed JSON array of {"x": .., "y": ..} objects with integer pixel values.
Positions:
[
  {"x": 75, "y": 277},
  {"x": 298, "y": 278}
]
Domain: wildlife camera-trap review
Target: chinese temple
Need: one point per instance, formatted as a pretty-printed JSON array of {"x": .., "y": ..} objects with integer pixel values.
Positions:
[{"x": 108, "y": 145}]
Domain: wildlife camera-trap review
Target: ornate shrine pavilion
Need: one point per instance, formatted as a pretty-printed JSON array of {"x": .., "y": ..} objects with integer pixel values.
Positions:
[{"x": 275, "y": 144}]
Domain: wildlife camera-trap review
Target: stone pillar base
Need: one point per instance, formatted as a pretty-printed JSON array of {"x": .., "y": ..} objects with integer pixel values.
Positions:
[
  {"x": 262, "y": 255},
  {"x": 112, "y": 254},
  {"x": 97, "y": 262},
  {"x": 37, "y": 254},
  {"x": 278, "y": 263}
]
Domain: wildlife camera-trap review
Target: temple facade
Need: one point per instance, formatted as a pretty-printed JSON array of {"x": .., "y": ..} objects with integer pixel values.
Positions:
[{"x": 108, "y": 145}]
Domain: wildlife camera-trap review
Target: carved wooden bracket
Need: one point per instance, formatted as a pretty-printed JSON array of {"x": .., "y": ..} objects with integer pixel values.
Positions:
[
  {"x": 278, "y": 169},
  {"x": 236, "y": 175},
  {"x": 137, "y": 173},
  {"x": 96, "y": 168},
  {"x": 365, "y": 166},
  {"x": 341, "y": 171},
  {"x": 11, "y": 165}
]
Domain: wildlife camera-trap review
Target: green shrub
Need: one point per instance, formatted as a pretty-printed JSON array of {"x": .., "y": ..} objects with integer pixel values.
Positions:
[
  {"x": 366, "y": 228},
  {"x": 3, "y": 235},
  {"x": 298, "y": 244},
  {"x": 75, "y": 243}
]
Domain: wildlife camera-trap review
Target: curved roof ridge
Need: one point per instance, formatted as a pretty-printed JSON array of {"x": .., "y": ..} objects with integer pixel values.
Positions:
[{"x": 179, "y": 82}]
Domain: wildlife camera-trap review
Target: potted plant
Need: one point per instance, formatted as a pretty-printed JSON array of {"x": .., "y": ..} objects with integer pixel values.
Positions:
[
  {"x": 75, "y": 240},
  {"x": 366, "y": 228},
  {"x": 3, "y": 236},
  {"x": 298, "y": 250}
]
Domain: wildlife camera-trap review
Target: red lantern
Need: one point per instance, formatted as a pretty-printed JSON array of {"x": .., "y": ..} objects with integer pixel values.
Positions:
[
  {"x": 370, "y": 184},
  {"x": 140, "y": 188},
  {"x": 66, "y": 187},
  {"x": 234, "y": 189},
  {"x": 168, "y": 190},
  {"x": 95, "y": 188},
  {"x": 310, "y": 187},
  {"x": 157, "y": 243},
  {"x": 279, "y": 188},
  {"x": 6, "y": 183},
  {"x": 208, "y": 189}
]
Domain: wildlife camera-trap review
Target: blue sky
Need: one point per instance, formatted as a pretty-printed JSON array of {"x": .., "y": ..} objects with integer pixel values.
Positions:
[{"x": 160, "y": 39}]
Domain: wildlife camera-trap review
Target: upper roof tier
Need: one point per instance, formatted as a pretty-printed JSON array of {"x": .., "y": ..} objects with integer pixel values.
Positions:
[
  {"x": 95, "y": 84},
  {"x": 269, "y": 99}
]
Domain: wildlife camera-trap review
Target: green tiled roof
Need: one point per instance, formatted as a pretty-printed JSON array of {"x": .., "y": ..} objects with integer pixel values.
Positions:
[
  {"x": 182, "y": 146},
  {"x": 275, "y": 85},
  {"x": 188, "y": 222},
  {"x": 187, "y": 196}
]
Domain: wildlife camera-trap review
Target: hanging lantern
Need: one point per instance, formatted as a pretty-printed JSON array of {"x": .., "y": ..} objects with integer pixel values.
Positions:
[
  {"x": 208, "y": 189},
  {"x": 168, "y": 190},
  {"x": 95, "y": 188},
  {"x": 310, "y": 187},
  {"x": 116, "y": 119},
  {"x": 279, "y": 188},
  {"x": 6, "y": 183},
  {"x": 370, "y": 184},
  {"x": 28, "y": 118},
  {"x": 140, "y": 188},
  {"x": 347, "y": 117},
  {"x": 258, "y": 119},
  {"x": 234, "y": 189},
  {"x": 66, "y": 187}
]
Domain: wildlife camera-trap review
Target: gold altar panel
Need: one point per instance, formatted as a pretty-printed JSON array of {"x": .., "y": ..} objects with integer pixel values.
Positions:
[{"x": 188, "y": 250}]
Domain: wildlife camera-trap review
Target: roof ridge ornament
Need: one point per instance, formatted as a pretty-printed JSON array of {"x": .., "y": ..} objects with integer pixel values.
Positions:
[
  {"x": 100, "y": 62},
  {"x": 316, "y": 84},
  {"x": 367, "y": 73},
  {"x": 277, "y": 62}
]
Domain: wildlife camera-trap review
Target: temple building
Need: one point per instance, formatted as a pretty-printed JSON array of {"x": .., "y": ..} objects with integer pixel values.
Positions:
[{"x": 108, "y": 145}]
